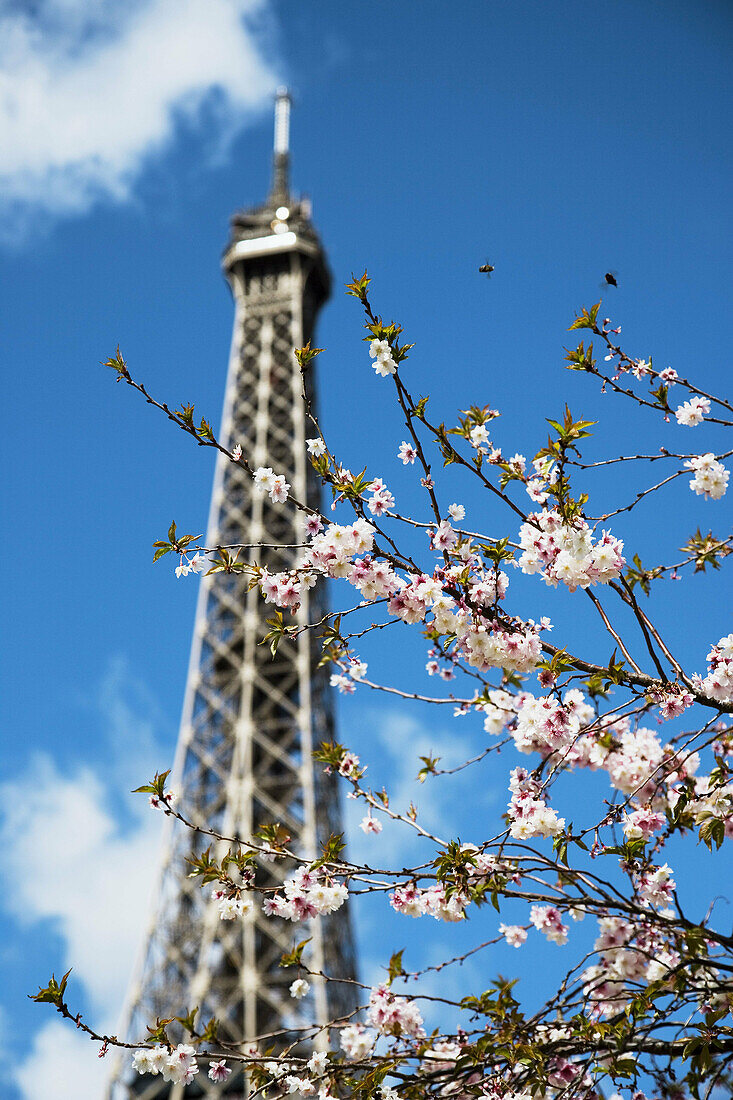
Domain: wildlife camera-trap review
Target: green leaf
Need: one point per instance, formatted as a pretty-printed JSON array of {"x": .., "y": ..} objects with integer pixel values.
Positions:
[
  {"x": 117, "y": 363},
  {"x": 706, "y": 549},
  {"x": 294, "y": 957},
  {"x": 580, "y": 358},
  {"x": 429, "y": 769},
  {"x": 357, "y": 288},
  {"x": 330, "y": 753},
  {"x": 712, "y": 831},
  {"x": 637, "y": 574},
  {"x": 204, "y": 866},
  {"x": 53, "y": 993},
  {"x": 274, "y": 835},
  {"x": 187, "y": 1021},
  {"x": 157, "y": 1033},
  {"x": 333, "y": 847},
  {"x": 306, "y": 355},
  {"x": 156, "y": 785},
  {"x": 395, "y": 969},
  {"x": 587, "y": 318},
  {"x": 278, "y": 632},
  {"x": 209, "y": 1031}
]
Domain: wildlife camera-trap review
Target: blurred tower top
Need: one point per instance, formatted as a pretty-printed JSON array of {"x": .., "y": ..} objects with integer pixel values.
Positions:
[
  {"x": 280, "y": 190},
  {"x": 283, "y": 222}
]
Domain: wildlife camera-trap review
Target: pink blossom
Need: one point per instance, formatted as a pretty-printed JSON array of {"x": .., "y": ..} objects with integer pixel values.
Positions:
[
  {"x": 279, "y": 490},
  {"x": 641, "y": 824},
  {"x": 444, "y": 538},
  {"x": 392, "y": 1015},
  {"x": 219, "y": 1071},
  {"x": 349, "y": 764},
  {"x": 547, "y": 919},
  {"x": 514, "y": 934}
]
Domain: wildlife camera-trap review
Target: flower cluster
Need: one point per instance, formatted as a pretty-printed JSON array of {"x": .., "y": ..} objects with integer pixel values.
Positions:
[
  {"x": 632, "y": 761},
  {"x": 479, "y": 638},
  {"x": 516, "y": 650},
  {"x": 499, "y": 710},
  {"x": 381, "y": 500},
  {"x": 306, "y": 894},
  {"x": 530, "y": 816},
  {"x": 266, "y": 481},
  {"x": 232, "y": 907},
  {"x": 331, "y": 551},
  {"x": 356, "y": 1042},
  {"x": 561, "y": 552},
  {"x": 381, "y": 353},
  {"x": 187, "y": 565},
  {"x": 628, "y": 956},
  {"x": 718, "y": 683},
  {"x": 641, "y": 824},
  {"x": 655, "y": 886},
  {"x": 547, "y": 919},
  {"x": 173, "y": 1065},
  {"x": 545, "y": 725},
  {"x": 711, "y": 476},
  {"x": 285, "y": 589},
  {"x": 290, "y": 1079},
  {"x": 392, "y": 1015},
  {"x": 672, "y": 701},
  {"x": 411, "y": 901}
]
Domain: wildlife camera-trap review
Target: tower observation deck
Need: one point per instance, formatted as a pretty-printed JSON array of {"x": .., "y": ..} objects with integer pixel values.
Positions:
[{"x": 250, "y": 720}]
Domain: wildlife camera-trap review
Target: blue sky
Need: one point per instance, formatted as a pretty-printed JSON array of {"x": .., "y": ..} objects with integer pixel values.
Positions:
[{"x": 556, "y": 140}]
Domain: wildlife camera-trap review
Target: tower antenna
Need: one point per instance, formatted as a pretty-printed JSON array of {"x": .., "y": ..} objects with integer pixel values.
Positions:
[{"x": 280, "y": 193}]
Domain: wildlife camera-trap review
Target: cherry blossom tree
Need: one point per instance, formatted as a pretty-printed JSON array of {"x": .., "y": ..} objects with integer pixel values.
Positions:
[{"x": 645, "y": 1011}]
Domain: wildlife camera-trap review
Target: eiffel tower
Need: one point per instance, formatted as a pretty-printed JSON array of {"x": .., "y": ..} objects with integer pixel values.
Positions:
[{"x": 250, "y": 720}]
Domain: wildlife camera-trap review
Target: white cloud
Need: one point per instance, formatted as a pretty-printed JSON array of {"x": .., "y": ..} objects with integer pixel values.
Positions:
[
  {"x": 93, "y": 886},
  {"x": 95, "y": 881},
  {"x": 62, "y": 1064},
  {"x": 91, "y": 89}
]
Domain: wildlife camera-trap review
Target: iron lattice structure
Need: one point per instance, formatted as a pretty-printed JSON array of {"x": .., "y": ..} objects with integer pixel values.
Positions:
[{"x": 250, "y": 721}]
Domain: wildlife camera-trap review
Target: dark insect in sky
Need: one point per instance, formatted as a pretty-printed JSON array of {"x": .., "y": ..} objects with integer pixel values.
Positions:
[
  {"x": 486, "y": 269},
  {"x": 610, "y": 278}
]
